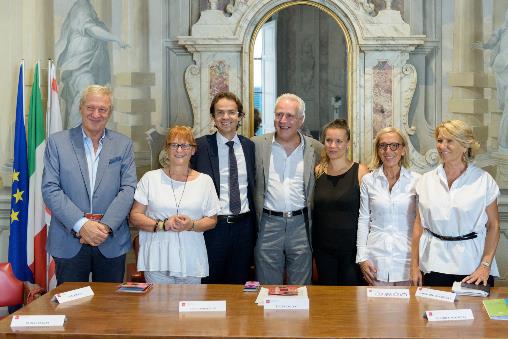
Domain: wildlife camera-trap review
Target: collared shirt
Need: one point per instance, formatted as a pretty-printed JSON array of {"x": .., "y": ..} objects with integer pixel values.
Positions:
[
  {"x": 285, "y": 189},
  {"x": 92, "y": 161},
  {"x": 386, "y": 222},
  {"x": 455, "y": 211},
  {"x": 223, "y": 152}
]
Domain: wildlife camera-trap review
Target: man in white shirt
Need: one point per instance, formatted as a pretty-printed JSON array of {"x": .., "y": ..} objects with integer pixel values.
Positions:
[
  {"x": 228, "y": 158},
  {"x": 285, "y": 163}
]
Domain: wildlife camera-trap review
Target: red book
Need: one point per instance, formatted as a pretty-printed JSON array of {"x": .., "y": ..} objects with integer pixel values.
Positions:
[{"x": 283, "y": 290}]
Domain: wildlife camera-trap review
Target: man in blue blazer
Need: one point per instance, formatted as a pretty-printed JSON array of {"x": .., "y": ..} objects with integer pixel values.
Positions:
[
  {"x": 88, "y": 184},
  {"x": 228, "y": 158}
]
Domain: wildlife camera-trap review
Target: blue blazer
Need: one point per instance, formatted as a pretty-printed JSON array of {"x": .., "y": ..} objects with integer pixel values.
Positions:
[
  {"x": 66, "y": 190},
  {"x": 206, "y": 160}
]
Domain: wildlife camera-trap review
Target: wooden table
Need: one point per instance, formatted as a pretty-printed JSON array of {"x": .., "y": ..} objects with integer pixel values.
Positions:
[{"x": 334, "y": 312}]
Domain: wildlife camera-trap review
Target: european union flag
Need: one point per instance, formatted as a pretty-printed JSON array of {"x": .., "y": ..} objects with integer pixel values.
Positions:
[{"x": 19, "y": 198}]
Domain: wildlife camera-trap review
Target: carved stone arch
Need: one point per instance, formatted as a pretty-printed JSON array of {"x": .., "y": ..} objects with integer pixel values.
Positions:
[{"x": 384, "y": 39}]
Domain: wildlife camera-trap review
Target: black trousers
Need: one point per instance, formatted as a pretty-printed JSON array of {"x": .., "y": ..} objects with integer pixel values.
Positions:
[
  {"x": 230, "y": 249},
  {"x": 338, "y": 269},
  {"x": 442, "y": 279},
  {"x": 90, "y": 260}
]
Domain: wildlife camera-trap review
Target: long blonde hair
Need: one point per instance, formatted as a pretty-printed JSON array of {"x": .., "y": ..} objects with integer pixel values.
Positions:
[
  {"x": 376, "y": 162},
  {"x": 324, "y": 160}
]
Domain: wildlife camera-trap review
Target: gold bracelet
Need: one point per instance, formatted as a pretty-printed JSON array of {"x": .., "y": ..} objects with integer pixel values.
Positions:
[
  {"x": 485, "y": 263},
  {"x": 193, "y": 226}
]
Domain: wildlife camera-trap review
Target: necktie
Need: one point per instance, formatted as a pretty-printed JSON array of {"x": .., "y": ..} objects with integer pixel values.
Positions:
[{"x": 234, "y": 190}]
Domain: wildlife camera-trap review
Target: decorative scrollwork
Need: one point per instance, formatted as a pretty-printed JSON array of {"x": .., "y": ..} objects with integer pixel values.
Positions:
[
  {"x": 409, "y": 85},
  {"x": 367, "y": 6},
  {"x": 432, "y": 157}
]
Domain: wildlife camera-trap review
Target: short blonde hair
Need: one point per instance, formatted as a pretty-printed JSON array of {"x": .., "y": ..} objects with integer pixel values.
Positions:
[
  {"x": 376, "y": 161},
  {"x": 463, "y": 134},
  {"x": 99, "y": 90}
]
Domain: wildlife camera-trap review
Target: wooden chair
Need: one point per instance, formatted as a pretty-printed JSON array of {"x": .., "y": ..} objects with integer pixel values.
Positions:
[{"x": 132, "y": 272}]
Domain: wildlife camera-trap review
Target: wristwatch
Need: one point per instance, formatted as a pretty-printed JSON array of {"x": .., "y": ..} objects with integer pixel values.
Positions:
[{"x": 160, "y": 225}]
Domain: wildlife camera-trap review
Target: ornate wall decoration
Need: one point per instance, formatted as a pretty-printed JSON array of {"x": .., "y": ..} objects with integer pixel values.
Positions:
[
  {"x": 219, "y": 78},
  {"x": 382, "y": 96}
]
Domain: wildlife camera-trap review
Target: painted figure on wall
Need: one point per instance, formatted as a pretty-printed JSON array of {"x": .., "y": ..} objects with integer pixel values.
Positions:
[
  {"x": 498, "y": 44},
  {"x": 82, "y": 56}
]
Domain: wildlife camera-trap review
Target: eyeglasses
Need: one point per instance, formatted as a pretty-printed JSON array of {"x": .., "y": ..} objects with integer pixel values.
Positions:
[
  {"x": 289, "y": 116},
  {"x": 221, "y": 114},
  {"x": 175, "y": 146},
  {"x": 393, "y": 146},
  {"x": 101, "y": 109}
]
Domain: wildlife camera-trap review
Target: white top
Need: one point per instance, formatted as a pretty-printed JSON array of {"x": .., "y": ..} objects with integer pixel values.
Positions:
[
  {"x": 285, "y": 191},
  {"x": 183, "y": 254},
  {"x": 223, "y": 151},
  {"x": 454, "y": 212},
  {"x": 386, "y": 222},
  {"x": 92, "y": 162}
]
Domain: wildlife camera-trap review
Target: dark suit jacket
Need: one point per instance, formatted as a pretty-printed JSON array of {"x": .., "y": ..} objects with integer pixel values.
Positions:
[{"x": 206, "y": 160}]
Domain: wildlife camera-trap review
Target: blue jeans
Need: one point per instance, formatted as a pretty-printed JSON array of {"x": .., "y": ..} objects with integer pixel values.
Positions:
[{"x": 90, "y": 260}]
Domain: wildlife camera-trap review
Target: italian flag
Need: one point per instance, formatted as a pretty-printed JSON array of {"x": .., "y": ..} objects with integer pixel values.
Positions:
[{"x": 37, "y": 230}]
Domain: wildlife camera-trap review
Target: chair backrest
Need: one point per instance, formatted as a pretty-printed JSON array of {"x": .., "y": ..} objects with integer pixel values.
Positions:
[{"x": 11, "y": 288}]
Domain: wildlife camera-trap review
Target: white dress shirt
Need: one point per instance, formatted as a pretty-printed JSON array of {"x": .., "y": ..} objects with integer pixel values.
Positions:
[
  {"x": 456, "y": 211},
  {"x": 223, "y": 151},
  {"x": 92, "y": 161},
  {"x": 386, "y": 222},
  {"x": 285, "y": 190}
]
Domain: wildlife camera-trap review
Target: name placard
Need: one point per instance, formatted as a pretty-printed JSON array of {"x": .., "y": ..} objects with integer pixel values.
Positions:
[
  {"x": 401, "y": 293},
  {"x": 202, "y": 306},
  {"x": 286, "y": 303},
  {"x": 74, "y": 294},
  {"x": 435, "y": 294},
  {"x": 37, "y": 321},
  {"x": 450, "y": 315}
]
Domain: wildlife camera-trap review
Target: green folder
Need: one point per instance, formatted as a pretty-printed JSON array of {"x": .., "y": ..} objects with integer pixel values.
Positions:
[{"x": 496, "y": 308}]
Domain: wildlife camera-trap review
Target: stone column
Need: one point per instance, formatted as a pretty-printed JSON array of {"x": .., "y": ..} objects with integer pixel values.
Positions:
[
  {"x": 133, "y": 104},
  {"x": 467, "y": 78}
]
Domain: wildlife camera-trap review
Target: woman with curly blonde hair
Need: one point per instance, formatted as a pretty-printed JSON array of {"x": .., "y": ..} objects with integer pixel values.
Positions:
[{"x": 335, "y": 208}]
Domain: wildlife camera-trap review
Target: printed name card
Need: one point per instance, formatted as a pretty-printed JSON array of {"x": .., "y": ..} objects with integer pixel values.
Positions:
[
  {"x": 435, "y": 294},
  {"x": 401, "y": 293},
  {"x": 286, "y": 303},
  {"x": 73, "y": 294},
  {"x": 37, "y": 321},
  {"x": 450, "y": 315},
  {"x": 202, "y": 306}
]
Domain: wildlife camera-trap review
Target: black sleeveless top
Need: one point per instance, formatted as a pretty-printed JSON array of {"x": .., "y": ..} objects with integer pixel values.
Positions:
[{"x": 335, "y": 212}]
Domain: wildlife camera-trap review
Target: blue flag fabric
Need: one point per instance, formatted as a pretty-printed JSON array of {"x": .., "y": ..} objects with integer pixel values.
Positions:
[{"x": 19, "y": 197}]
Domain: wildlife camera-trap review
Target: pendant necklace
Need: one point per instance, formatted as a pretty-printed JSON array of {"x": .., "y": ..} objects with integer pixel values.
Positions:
[{"x": 173, "y": 190}]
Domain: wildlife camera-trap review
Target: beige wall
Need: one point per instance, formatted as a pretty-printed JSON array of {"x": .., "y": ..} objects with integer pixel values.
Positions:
[{"x": 27, "y": 33}]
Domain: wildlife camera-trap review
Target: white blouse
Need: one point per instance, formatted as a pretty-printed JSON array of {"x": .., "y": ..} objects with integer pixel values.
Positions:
[
  {"x": 454, "y": 212},
  {"x": 386, "y": 222},
  {"x": 183, "y": 254}
]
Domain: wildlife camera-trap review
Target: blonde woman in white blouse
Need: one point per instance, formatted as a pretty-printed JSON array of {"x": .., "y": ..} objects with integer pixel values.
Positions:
[
  {"x": 456, "y": 230},
  {"x": 387, "y": 212}
]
